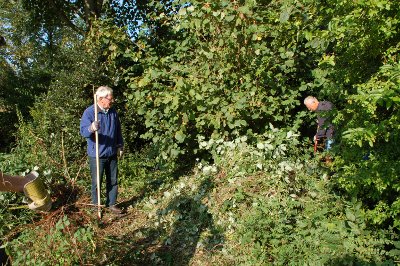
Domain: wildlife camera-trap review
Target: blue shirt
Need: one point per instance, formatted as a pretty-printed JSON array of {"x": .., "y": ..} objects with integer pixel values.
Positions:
[{"x": 110, "y": 136}]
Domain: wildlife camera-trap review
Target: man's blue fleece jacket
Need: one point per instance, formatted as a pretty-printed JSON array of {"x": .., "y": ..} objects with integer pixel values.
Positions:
[{"x": 110, "y": 136}]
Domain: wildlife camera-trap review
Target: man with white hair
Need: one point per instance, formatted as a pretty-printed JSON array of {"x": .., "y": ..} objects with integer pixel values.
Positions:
[
  {"x": 111, "y": 145},
  {"x": 325, "y": 128}
]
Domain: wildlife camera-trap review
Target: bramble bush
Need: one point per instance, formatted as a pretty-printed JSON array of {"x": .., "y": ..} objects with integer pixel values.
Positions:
[{"x": 368, "y": 164}]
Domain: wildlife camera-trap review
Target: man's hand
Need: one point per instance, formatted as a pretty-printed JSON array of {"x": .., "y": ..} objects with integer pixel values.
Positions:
[
  {"x": 315, "y": 138},
  {"x": 94, "y": 126},
  {"x": 120, "y": 152}
]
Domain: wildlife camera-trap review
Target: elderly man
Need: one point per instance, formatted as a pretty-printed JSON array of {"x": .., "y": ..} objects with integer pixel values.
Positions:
[
  {"x": 110, "y": 145},
  {"x": 325, "y": 128}
]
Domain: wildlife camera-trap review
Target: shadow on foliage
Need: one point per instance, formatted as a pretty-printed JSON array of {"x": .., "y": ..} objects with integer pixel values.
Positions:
[
  {"x": 129, "y": 248},
  {"x": 193, "y": 229},
  {"x": 148, "y": 189},
  {"x": 4, "y": 259},
  {"x": 155, "y": 183}
]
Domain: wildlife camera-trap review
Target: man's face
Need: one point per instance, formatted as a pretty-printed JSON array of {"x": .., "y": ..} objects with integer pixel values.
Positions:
[
  {"x": 106, "y": 102},
  {"x": 312, "y": 105}
]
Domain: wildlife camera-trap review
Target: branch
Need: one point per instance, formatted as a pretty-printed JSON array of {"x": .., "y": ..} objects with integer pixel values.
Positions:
[{"x": 65, "y": 18}]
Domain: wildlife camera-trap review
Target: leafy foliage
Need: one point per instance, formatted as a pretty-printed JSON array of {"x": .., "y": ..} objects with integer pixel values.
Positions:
[
  {"x": 222, "y": 81},
  {"x": 53, "y": 135},
  {"x": 62, "y": 245},
  {"x": 363, "y": 71},
  {"x": 289, "y": 212},
  {"x": 369, "y": 159},
  {"x": 32, "y": 57},
  {"x": 219, "y": 77}
]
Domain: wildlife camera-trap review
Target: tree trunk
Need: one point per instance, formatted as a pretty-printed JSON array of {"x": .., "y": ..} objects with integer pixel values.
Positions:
[{"x": 93, "y": 9}]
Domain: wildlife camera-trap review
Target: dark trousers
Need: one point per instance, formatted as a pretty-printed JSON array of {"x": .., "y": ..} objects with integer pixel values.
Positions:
[{"x": 109, "y": 166}]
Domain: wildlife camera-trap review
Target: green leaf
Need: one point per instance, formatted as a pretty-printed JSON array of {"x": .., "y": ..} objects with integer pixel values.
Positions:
[
  {"x": 285, "y": 15},
  {"x": 182, "y": 12},
  {"x": 244, "y": 9},
  {"x": 397, "y": 244},
  {"x": 190, "y": 8},
  {"x": 350, "y": 216},
  {"x": 180, "y": 136},
  {"x": 230, "y": 18},
  {"x": 396, "y": 99},
  {"x": 394, "y": 252},
  {"x": 175, "y": 152},
  {"x": 180, "y": 83}
]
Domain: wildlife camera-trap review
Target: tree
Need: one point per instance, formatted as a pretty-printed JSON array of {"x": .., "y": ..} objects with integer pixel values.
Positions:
[
  {"x": 65, "y": 13},
  {"x": 229, "y": 70},
  {"x": 31, "y": 58}
]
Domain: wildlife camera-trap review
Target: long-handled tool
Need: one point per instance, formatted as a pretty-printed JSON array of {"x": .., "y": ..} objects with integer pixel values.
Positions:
[
  {"x": 316, "y": 140},
  {"x": 315, "y": 145},
  {"x": 97, "y": 159}
]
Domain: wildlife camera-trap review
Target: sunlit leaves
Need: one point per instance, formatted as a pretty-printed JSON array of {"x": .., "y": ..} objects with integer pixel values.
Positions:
[{"x": 216, "y": 80}]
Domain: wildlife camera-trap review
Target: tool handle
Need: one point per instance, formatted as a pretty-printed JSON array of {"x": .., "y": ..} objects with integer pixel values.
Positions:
[
  {"x": 315, "y": 145},
  {"x": 97, "y": 158}
]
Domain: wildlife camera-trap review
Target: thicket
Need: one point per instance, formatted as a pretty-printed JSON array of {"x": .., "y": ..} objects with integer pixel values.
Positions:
[
  {"x": 19, "y": 88},
  {"x": 202, "y": 75},
  {"x": 233, "y": 68}
]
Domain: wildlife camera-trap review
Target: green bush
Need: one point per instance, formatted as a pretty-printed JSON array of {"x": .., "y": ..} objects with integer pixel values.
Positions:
[
  {"x": 368, "y": 166},
  {"x": 230, "y": 70},
  {"x": 136, "y": 172},
  {"x": 51, "y": 138}
]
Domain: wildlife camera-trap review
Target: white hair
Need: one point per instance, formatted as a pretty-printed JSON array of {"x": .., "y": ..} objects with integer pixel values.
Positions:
[
  {"x": 309, "y": 99},
  {"x": 103, "y": 91}
]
